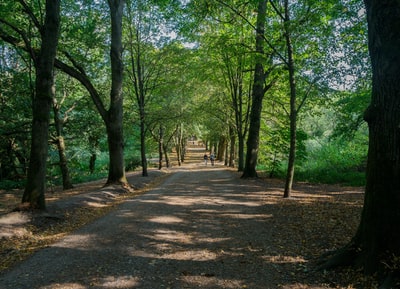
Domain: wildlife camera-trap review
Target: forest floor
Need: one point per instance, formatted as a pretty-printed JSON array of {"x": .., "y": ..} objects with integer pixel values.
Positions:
[{"x": 193, "y": 226}]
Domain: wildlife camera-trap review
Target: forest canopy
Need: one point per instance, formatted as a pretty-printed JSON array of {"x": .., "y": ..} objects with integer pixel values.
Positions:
[{"x": 188, "y": 74}]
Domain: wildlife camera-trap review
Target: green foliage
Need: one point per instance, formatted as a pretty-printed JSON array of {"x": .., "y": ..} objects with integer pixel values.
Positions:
[
  {"x": 11, "y": 184},
  {"x": 349, "y": 112},
  {"x": 131, "y": 163},
  {"x": 199, "y": 87},
  {"x": 338, "y": 161},
  {"x": 275, "y": 149}
]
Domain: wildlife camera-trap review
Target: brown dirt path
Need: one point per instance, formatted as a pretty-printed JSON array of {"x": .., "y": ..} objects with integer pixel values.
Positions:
[{"x": 203, "y": 227}]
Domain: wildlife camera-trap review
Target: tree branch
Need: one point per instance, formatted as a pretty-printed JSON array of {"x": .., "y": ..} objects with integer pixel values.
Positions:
[{"x": 85, "y": 81}]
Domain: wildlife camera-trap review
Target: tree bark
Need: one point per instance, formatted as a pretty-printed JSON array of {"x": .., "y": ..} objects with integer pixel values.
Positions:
[
  {"x": 379, "y": 230},
  {"x": 375, "y": 246},
  {"x": 143, "y": 142},
  {"x": 293, "y": 108},
  {"x": 114, "y": 115},
  {"x": 160, "y": 147},
  {"x": 60, "y": 142},
  {"x": 114, "y": 126},
  {"x": 35, "y": 187},
  {"x": 165, "y": 150},
  {"x": 138, "y": 79},
  {"x": 232, "y": 148},
  {"x": 257, "y": 97},
  {"x": 241, "y": 108}
]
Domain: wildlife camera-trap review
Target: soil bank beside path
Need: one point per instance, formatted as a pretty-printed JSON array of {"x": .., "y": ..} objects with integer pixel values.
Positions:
[{"x": 203, "y": 227}]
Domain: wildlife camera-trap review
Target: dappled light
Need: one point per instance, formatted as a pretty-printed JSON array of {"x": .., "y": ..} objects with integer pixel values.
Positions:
[
  {"x": 284, "y": 259},
  {"x": 57, "y": 285},
  {"x": 117, "y": 282},
  {"x": 166, "y": 219},
  {"x": 205, "y": 228}
]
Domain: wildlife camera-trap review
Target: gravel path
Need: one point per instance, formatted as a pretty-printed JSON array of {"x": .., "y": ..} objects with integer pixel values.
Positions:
[{"x": 201, "y": 227}]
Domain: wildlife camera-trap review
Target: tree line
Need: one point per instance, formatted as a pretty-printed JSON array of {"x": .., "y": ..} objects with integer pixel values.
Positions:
[{"x": 251, "y": 78}]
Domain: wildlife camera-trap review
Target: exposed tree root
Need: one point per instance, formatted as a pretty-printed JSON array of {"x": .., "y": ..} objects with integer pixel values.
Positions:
[
  {"x": 351, "y": 255},
  {"x": 345, "y": 256},
  {"x": 121, "y": 186}
]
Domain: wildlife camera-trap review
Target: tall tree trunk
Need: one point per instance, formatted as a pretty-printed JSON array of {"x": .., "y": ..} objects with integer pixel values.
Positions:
[
  {"x": 232, "y": 148},
  {"x": 94, "y": 143},
  {"x": 257, "y": 96},
  {"x": 114, "y": 127},
  {"x": 293, "y": 109},
  {"x": 379, "y": 230},
  {"x": 92, "y": 162},
  {"x": 226, "y": 153},
  {"x": 235, "y": 79},
  {"x": 221, "y": 148},
  {"x": 160, "y": 147},
  {"x": 178, "y": 154},
  {"x": 137, "y": 77},
  {"x": 35, "y": 187},
  {"x": 113, "y": 116},
  {"x": 66, "y": 178},
  {"x": 165, "y": 150},
  {"x": 143, "y": 144},
  {"x": 60, "y": 142},
  {"x": 240, "y": 153},
  {"x": 375, "y": 246},
  {"x": 183, "y": 147}
]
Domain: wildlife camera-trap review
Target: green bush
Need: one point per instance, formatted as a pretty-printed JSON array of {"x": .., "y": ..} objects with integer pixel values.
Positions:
[
  {"x": 11, "y": 184},
  {"x": 337, "y": 161},
  {"x": 334, "y": 162},
  {"x": 132, "y": 163}
]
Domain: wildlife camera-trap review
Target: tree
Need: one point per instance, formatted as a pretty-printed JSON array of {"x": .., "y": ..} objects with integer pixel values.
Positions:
[
  {"x": 59, "y": 141},
  {"x": 375, "y": 246},
  {"x": 138, "y": 71},
  {"x": 147, "y": 60},
  {"x": 237, "y": 81},
  {"x": 257, "y": 96},
  {"x": 34, "y": 193},
  {"x": 112, "y": 116},
  {"x": 114, "y": 126},
  {"x": 293, "y": 96}
]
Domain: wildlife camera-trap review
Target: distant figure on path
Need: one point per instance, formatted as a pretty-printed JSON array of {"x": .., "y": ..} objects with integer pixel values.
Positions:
[
  {"x": 212, "y": 158},
  {"x": 205, "y": 159}
]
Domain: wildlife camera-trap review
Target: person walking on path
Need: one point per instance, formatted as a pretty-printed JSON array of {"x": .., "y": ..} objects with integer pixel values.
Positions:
[
  {"x": 212, "y": 158},
  {"x": 205, "y": 159}
]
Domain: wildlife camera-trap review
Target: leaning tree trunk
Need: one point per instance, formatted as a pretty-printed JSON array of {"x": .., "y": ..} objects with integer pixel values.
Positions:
[
  {"x": 232, "y": 147},
  {"x": 375, "y": 246},
  {"x": 165, "y": 150},
  {"x": 66, "y": 177},
  {"x": 253, "y": 139},
  {"x": 143, "y": 143},
  {"x": 60, "y": 143},
  {"x": 116, "y": 170},
  {"x": 293, "y": 109},
  {"x": 160, "y": 147},
  {"x": 35, "y": 188},
  {"x": 240, "y": 164}
]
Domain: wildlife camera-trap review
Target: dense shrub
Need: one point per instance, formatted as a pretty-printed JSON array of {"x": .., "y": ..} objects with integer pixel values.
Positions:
[{"x": 337, "y": 161}]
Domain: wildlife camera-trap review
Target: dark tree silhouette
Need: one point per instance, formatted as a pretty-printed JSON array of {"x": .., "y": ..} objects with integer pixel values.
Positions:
[
  {"x": 375, "y": 246},
  {"x": 34, "y": 193}
]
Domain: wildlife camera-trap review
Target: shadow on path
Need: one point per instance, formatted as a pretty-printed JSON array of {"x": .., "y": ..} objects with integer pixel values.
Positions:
[{"x": 202, "y": 228}]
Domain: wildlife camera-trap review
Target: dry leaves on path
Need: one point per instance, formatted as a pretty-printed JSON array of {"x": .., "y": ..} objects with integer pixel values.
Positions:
[
  {"x": 24, "y": 232},
  {"x": 315, "y": 220}
]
